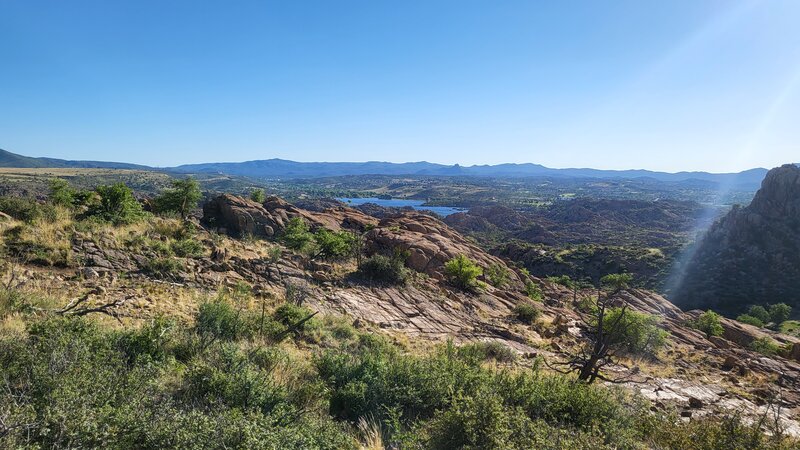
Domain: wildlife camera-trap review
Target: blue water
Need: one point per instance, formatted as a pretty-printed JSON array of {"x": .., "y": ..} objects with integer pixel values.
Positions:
[{"x": 400, "y": 203}]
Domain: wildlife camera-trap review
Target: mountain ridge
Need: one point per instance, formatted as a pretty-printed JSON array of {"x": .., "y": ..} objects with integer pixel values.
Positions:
[{"x": 287, "y": 169}]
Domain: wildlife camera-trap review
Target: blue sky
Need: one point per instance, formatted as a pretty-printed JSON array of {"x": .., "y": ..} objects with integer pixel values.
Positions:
[{"x": 664, "y": 85}]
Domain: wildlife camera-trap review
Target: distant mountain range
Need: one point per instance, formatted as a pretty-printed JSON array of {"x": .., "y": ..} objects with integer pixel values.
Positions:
[
  {"x": 284, "y": 169},
  {"x": 8, "y": 159}
]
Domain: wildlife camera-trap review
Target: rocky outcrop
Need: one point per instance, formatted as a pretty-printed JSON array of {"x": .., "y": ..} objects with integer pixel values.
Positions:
[
  {"x": 751, "y": 255},
  {"x": 428, "y": 242},
  {"x": 238, "y": 216}
]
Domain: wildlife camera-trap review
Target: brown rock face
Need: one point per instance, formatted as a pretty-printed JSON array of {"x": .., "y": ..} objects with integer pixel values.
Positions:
[
  {"x": 239, "y": 216},
  {"x": 429, "y": 242},
  {"x": 750, "y": 256}
]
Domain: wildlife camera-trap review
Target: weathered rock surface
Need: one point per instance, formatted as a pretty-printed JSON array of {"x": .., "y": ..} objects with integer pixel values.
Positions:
[
  {"x": 239, "y": 216},
  {"x": 429, "y": 243}
]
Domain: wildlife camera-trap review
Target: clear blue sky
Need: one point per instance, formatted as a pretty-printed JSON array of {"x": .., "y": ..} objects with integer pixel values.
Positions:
[{"x": 665, "y": 85}]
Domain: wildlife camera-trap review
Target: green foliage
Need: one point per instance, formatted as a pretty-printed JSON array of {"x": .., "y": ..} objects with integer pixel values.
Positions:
[
  {"x": 498, "y": 275},
  {"x": 750, "y": 320},
  {"x": 533, "y": 291},
  {"x": 779, "y": 313},
  {"x": 563, "y": 280},
  {"x": 163, "y": 267},
  {"x": 117, "y": 205},
  {"x": 709, "y": 323},
  {"x": 258, "y": 195},
  {"x": 334, "y": 244},
  {"x": 72, "y": 383},
  {"x": 765, "y": 346},
  {"x": 181, "y": 198},
  {"x": 61, "y": 193},
  {"x": 297, "y": 235},
  {"x": 616, "y": 281},
  {"x": 526, "y": 313},
  {"x": 485, "y": 351},
  {"x": 188, "y": 247},
  {"x": 462, "y": 272},
  {"x": 218, "y": 319},
  {"x": 635, "y": 332},
  {"x": 26, "y": 209},
  {"x": 384, "y": 269},
  {"x": 760, "y": 313}
]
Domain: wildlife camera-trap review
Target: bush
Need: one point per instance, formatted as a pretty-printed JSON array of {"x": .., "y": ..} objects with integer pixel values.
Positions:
[
  {"x": 533, "y": 291},
  {"x": 188, "y": 248},
  {"x": 526, "y": 313},
  {"x": 61, "y": 193},
  {"x": 26, "y": 209},
  {"x": 760, "y": 313},
  {"x": 563, "y": 280},
  {"x": 334, "y": 244},
  {"x": 709, "y": 323},
  {"x": 497, "y": 275},
  {"x": 484, "y": 351},
  {"x": 462, "y": 272},
  {"x": 635, "y": 332},
  {"x": 258, "y": 196},
  {"x": 163, "y": 267},
  {"x": 117, "y": 205},
  {"x": 765, "y": 346},
  {"x": 779, "y": 313},
  {"x": 218, "y": 319},
  {"x": 385, "y": 269},
  {"x": 297, "y": 236},
  {"x": 750, "y": 320},
  {"x": 181, "y": 198}
]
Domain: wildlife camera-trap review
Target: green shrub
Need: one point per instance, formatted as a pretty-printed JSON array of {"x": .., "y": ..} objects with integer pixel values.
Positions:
[
  {"x": 117, "y": 205},
  {"x": 750, "y": 320},
  {"x": 765, "y": 346},
  {"x": 163, "y": 267},
  {"x": 497, "y": 275},
  {"x": 709, "y": 323},
  {"x": 219, "y": 320},
  {"x": 188, "y": 248},
  {"x": 484, "y": 351},
  {"x": 526, "y": 313},
  {"x": 27, "y": 209},
  {"x": 61, "y": 193},
  {"x": 563, "y": 280},
  {"x": 258, "y": 196},
  {"x": 533, "y": 291},
  {"x": 635, "y": 332},
  {"x": 779, "y": 313},
  {"x": 462, "y": 272},
  {"x": 760, "y": 313},
  {"x": 180, "y": 199},
  {"x": 291, "y": 315},
  {"x": 385, "y": 269},
  {"x": 297, "y": 236},
  {"x": 334, "y": 244}
]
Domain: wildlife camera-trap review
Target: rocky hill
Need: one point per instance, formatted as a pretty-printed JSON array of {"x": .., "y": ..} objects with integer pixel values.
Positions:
[
  {"x": 751, "y": 255},
  {"x": 138, "y": 273}
]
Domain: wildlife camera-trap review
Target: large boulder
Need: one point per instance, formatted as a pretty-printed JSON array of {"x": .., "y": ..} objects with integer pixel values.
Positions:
[
  {"x": 428, "y": 242},
  {"x": 240, "y": 216}
]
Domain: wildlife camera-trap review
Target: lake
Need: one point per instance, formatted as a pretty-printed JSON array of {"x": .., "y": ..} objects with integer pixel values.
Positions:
[{"x": 400, "y": 203}]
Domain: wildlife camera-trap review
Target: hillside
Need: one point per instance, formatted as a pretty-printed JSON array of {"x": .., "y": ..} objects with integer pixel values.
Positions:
[
  {"x": 751, "y": 255},
  {"x": 251, "y": 327}
]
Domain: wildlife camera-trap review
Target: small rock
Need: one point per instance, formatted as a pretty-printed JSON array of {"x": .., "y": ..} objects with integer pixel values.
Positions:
[{"x": 90, "y": 274}]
